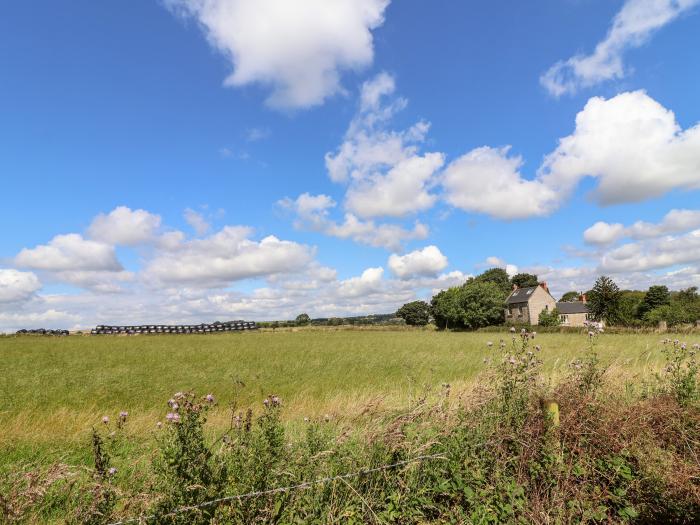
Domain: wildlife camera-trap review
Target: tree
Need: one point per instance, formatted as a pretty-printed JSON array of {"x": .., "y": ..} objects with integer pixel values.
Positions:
[
  {"x": 481, "y": 303},
  {"x": 629, "y": 306},
  {"x": 499, "y": 277},
  {"x": 604, "y": 300},
  {"x": 445, "y": 308},
  {"x": 524, "y": 280},
  {"x": 549, "y": 318},
  {"x": 416, "y": 313},
  {"x": 569, "y": 297},
  {"x": 655, "y": 297},
  {"x": 303, "y": 319}
]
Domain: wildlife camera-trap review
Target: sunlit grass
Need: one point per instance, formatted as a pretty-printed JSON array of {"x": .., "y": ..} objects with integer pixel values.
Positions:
[{"x": 53, "y": 390}]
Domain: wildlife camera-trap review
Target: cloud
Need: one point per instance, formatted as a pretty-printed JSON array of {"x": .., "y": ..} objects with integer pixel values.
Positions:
[
  {"x": 226, "y": 256},
  {"x": 487, "y": 180},
  {"x": 653, "y": 254},
  {"x": 674, "y": 221},
  {"x": 497, "y": 262},
  {"x": 427, "y": 262},
  {"x": 632, "y": 27},
  {"x": 198, "y": 223},
  {"x": 297, "y": 48},
  {"x": 365, "y": 284},
  {"x": 312, "y": 213},
  {"x": 257, "y": 134},
  {"x": 603, "y": 233},
  {"x": 386, "y": 175},
  {"x": 630, "y": 144},
  {"x": 402, "y": 191},
  {"x": 124, "y": 226},
  {"x": 70, "y": 252},
  {"x": 16, "y": 286}
]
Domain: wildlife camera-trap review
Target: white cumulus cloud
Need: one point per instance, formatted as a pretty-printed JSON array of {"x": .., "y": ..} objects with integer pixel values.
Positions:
[
  {"x": 226, "y": 256},
  {"x": 386, "y": 174},
  {"x": 674, "y": 221},
  {"x": 632, "y": 26},
  {"x": 297, "y": 48},
  {"x": 427, "y": 262},
  {"x": 124, "y": 226},
  {"x": 70, "y": 252},
  {"x": 17, "y": 286}
]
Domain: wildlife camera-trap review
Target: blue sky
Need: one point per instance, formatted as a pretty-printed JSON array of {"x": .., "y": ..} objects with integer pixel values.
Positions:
[{"x": 185, "y": 160}]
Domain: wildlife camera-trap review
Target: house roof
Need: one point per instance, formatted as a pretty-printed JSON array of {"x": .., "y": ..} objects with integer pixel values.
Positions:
[
  {"x": 575, "y": 307},
  {"x": 521, "y": 295}
]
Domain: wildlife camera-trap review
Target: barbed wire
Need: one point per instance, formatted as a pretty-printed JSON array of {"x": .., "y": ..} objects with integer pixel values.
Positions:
[{"x": 279, "y": 490}]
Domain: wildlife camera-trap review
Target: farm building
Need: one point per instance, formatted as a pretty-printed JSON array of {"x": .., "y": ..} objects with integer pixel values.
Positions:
[
  {"x": 524, "y": 305},
  {"x": 574, "y": 313}
]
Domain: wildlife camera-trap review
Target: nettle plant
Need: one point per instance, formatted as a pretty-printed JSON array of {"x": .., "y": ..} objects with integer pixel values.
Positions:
[{"x": 681, "y": 371}]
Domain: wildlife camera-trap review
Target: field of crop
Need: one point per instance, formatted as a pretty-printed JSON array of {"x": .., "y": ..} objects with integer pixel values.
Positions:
[{"x": 53, "y": 390}]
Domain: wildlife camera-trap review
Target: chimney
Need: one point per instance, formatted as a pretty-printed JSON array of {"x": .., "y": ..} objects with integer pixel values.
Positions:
[
  {"x": 583, "y": 298},
  {"x": 543, "y": 284}
]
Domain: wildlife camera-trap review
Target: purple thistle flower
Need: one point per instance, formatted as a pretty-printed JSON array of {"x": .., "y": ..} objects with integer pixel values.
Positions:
[
  {"x": 112, "y": 471},
  {"x": 105, "y": 420},
  {"x": 159, "y": 424},
  {"x": 210, "y": 398},
  {"x": 123, "y": 415}
]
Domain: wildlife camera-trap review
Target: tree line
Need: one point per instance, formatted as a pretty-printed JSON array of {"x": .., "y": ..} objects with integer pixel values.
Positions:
[{"x": 480, "y": 302}]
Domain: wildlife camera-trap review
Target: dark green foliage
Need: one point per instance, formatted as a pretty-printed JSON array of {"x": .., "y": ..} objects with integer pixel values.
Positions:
[
  {"x": 569, "y": 297},
  {"x": 445, "y": 308},
  {"x": 302, "y": 319},
  {"x": 655, "y": 297},
  {"x": 549, "y": 318},
  {"x": 499, "y": 277},
  {"x": 629, "y": 307},
  {"x": 524, "y": 280},
  {"x": 416, "y": 313},
  {"x": 477, "y": 303},
  {"x": 604, "y": 301}
]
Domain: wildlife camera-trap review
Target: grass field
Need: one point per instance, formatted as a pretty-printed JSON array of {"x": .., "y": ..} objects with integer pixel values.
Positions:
[{"x": 53, "y": 390}]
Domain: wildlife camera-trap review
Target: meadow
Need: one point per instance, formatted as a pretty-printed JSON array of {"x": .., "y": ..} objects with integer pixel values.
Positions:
[
  {"x": 348, "y": 399},
  {"x": 54, "y": 390}
]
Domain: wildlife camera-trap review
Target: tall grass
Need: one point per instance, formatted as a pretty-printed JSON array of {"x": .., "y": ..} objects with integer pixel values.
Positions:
[{"x": 514, "y": 448}]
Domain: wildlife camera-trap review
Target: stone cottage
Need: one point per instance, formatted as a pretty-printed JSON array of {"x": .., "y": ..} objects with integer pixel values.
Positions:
[
  {"x": 524, "y": 305},
  {"x": 574, "y": 313}
]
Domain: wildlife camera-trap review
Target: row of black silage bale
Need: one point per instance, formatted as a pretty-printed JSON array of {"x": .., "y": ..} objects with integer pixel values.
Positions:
[
  {"x": 42, "y": 331},
  {"x": 229, "y": 326}
]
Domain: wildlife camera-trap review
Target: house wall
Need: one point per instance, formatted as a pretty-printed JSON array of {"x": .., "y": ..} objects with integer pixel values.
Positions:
[
  {"x": 518, "y": 313},
  {"x": 573, "y": 319},
  {"x": 540, "y": 300}
]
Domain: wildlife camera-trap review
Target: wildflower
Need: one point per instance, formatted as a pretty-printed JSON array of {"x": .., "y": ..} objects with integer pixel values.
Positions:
[
  {"x": 209, "y": 398},
  {"x": 105, "y": 420},
  {"x": 683, "y": 346},
  {"x": 327, "y": 418},
  {"x": 123, "y": 415},
  {"x": 538, "y": 347},
  {"x": 590, "y": 334},
  {"x": 173, "y": 417},
  {"x": 112, "y": 471},
  {"x": 523, "y": 331},
  {"x": 533, "y": 334},
  {"x": 512, "y": 329},
  {"x": 266, "y": 402},
  {"x": 489, "y": 344},
  {"x": 306, "y": 420},
  {"x": 159, "y": 424},
  {"x": 512, "y": 360},
  {"x": 275, "y": 401}
]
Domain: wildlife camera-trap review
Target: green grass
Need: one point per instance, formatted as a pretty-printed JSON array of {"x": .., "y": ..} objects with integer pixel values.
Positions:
[{"x": 53, "y": 390}]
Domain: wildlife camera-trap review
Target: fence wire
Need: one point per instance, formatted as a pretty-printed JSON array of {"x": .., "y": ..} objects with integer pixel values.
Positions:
[{"x": 279, "y": 490}]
